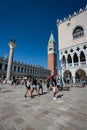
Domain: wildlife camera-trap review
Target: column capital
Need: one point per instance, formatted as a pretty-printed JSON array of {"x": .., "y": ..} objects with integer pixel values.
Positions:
[{"x": 12, "y": 44}]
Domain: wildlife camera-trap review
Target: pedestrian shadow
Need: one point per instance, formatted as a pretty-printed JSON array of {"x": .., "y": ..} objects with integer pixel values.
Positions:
[
  {"x": 5, "y": 91},
  {"x": 44, "y": 93},
  {"x": 60, "y": 96},
  {"x": 40, "y": 94}
]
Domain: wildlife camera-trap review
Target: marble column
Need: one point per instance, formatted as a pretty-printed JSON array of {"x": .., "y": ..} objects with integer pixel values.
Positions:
[
  {"x": 73, "y": 79},
  {"x": 86, "y": 59},
  {"x": 12, "y": 45},
  {"x": 72, "y": 61}
]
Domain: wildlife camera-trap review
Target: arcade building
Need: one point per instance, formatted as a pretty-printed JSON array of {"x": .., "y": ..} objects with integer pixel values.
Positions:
[
  {"x": 21, "y": 70},
  {"x": 72, "y": 38},
  {"x": 11, "y": 69}
]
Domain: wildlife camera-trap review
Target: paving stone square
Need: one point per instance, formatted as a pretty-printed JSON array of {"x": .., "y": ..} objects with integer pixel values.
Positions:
[{"x": 67, "y": 112}]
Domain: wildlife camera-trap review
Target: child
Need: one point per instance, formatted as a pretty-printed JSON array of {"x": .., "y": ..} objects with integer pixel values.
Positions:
[{"x": 55, "y": 91}]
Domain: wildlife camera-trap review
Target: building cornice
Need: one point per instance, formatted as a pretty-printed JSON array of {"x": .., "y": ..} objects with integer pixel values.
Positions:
[{"x": 71, "y": 16}]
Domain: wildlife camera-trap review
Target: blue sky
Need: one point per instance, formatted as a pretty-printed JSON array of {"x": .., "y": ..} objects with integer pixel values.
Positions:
[{"x": 30, "y": 23}]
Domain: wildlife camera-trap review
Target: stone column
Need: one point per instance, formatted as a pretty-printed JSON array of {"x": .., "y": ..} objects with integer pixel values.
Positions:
[
  {"x": 86, "y": 59},
  {"x": 79, "y": 59},
  {"x": 73, "y": 79},
  {"x": 72, "y": 61},
  {"x": 12, "y": 45}
]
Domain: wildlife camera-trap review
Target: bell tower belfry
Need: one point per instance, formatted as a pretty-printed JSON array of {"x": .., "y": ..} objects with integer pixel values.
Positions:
[{"x": 52, "y": 57}]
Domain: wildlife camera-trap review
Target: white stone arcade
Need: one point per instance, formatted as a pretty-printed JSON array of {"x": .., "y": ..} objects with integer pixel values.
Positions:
[{"x": 72, "y": 39}]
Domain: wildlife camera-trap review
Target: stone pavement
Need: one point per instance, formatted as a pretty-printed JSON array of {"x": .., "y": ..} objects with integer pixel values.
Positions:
[{"x": 68, "y": 112}]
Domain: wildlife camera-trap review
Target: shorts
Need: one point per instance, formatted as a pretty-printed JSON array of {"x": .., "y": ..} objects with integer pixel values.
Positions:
[
  {"x": 28, "y": 87},
  {"x": 40, "y": 87},
  {"x": 34, "y": 86},
  {"x": 55, "y": 89}
]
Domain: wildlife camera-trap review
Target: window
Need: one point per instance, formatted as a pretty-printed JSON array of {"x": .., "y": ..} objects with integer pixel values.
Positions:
[
  {"x": 14, "y": 68},
  {"x": 18, "y": 69},
  {"x": 50, "y": 49},
  {"x": 22, "y": 69},
  {"x": 69, "y": 59},
  {"x": 5, "y": 67},
  {"x": 0, "y": 66},
  {"x": 82, "y": 57},
  {"x": 78, "y": 32}
]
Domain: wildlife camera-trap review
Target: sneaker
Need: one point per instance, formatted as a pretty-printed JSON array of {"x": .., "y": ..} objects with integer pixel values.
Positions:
[
  {"x": 25, "y": 96},
  {"x": 54, "y": 98}
]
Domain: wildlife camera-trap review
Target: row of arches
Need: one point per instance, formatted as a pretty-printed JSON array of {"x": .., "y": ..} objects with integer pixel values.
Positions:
[
  {"x": 80, "y": 74},
  {"x": 75, "y": 58}
]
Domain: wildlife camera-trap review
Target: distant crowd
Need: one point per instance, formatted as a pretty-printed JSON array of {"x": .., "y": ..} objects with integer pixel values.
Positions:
[{"x": 36, "y": 84}]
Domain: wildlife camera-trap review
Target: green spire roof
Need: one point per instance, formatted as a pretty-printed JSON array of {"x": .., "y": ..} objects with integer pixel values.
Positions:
[{"x": 51, "y": 39}]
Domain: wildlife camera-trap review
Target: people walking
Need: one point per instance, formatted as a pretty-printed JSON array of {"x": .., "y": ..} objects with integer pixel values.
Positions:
[
  {"x": 48, "y": 84},
  {"x": 58, "y": 83},
  {"x": 55, "y": 91},
  {"x": 28, "y": 87},
  {"x": 34, "y": 87},
  {"x": 40, "y": 86}
]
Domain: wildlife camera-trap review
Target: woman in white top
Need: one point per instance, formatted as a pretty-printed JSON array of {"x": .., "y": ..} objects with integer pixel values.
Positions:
[
  {"x": 55, "y": 91},
  {"x": 28, "y": 87}
]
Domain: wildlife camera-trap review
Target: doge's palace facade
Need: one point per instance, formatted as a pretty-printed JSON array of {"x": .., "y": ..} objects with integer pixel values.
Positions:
[{"x": 72, "y": 38}]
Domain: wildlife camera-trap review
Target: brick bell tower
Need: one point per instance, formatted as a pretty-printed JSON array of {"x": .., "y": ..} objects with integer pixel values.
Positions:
[{"x": 52, "y": 57}]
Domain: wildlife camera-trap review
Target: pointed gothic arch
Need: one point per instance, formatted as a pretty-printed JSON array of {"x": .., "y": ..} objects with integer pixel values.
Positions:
[
  {"x": 67, "y": 76},
  {"x": 82, "y": 57},
  {"x": 63, "y": 60},
  {"x": 75, "y": 58},
  {"x": 69, "y": 59},
  {"x": 80, "y": 74}
]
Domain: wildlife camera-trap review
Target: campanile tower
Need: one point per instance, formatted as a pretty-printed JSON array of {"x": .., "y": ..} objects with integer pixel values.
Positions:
[{"x": 52, "y": 58}]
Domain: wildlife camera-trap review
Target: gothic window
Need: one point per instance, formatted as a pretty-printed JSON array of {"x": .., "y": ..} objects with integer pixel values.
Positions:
[
  {"x": 78, "y": 32},
  {"x": 69, "y": 59},
  {"x": 63, "y": 60},
  {"x": 82, "y": 57},
  {"x": 75, "y": 58}
]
